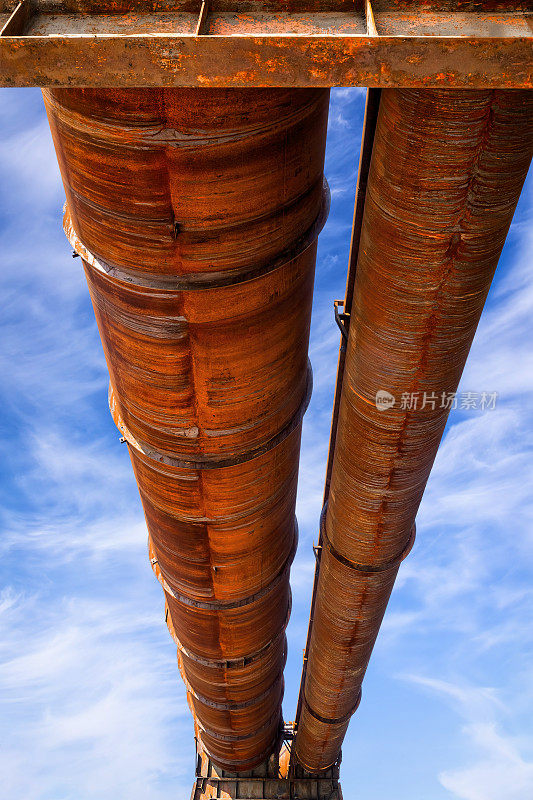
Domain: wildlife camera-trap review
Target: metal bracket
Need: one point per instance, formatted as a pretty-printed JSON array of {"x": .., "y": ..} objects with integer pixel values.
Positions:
[
  {"x": 288, "y": 731},
  {"x": 342, "y": 319}
]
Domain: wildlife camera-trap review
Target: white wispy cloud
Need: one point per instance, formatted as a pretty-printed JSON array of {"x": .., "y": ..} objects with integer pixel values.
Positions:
[
  {"x": 81, "y": 499},
  {"x": 496, "y": 765},
  {"x": 497, "y": 771},
  {"x": 93, "y": 704}
]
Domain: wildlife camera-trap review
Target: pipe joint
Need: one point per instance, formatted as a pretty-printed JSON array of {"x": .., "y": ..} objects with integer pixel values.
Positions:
[{"x": 367, "y": 569}]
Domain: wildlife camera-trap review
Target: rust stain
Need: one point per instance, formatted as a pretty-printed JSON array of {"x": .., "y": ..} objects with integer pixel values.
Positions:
[
  {"x": 446, "y": 173},
  {"x": 196, "y": 214}
]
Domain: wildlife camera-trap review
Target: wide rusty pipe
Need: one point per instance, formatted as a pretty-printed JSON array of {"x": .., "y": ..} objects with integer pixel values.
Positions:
[
  {"x": 446, "y": 174},
  {"x": 196, "y": 214}
]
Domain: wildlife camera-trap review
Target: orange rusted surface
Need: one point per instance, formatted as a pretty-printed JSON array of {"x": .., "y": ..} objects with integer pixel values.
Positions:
[
  {"x": 446, "y": 173},
  {"x": 367, "y": 141},
  {"x": 271, "y": 779},
  {"x": 196, "y": 215},
  {"x": 244, "y": 43}
]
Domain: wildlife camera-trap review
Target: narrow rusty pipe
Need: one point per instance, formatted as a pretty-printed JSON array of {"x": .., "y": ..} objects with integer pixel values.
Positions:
[
  {"x": 196, "y": 214},
  {"x": 365, "y": 155},
  {"x": 446, "y": 174}
]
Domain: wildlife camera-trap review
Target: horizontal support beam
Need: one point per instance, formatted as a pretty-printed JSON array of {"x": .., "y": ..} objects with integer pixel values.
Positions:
[{"x": 201, "y": 45}]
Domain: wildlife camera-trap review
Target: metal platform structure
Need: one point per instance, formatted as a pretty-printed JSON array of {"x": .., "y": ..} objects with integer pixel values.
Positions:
[
  {"x": 277, "y": 43},
  {"x": 271, "y": 780}
]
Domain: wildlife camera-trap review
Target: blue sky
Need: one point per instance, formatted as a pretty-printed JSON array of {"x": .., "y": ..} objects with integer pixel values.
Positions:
[{"x": 92, "y": 707}]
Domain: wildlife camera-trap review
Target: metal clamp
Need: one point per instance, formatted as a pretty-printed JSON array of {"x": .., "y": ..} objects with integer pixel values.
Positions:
[
  {"x": 342, "y": 319},
  {"x": 365, "y": 569},
  {"x": 336, "y": 720}
]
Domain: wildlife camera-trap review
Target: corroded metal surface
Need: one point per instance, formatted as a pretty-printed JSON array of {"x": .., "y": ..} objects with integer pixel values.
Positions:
[
  {"x": 367, "y": 141},
  {"x": 446, "y": 173},
  {"x": 261, "y": 43},
  {"x": 196, "y": 214},
  {"x": 271, "y": 779}
]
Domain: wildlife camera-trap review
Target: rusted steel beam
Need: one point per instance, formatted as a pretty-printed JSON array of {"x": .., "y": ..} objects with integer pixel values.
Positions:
[
  {"x": 269, "y": 780},
  {"x": 446, "y": 173},
  {"x": 16, "y": 23},
  {"x": 367, "y": 141},
  {"x": 195, "y": 213},
  {"x": 370, "y": 20},
  {"x": 121, "y": 44}
]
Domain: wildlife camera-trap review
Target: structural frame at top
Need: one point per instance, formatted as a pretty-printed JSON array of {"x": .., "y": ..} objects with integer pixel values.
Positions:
[{"x": 285, "y": 43}]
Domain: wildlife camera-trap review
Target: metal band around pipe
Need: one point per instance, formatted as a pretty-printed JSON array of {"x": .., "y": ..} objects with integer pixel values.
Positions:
[
  {"x": 232, "y": 663},
  {"x": 226, "y": 764},
  {"x": 214, "y": 605},
  {"x": 212, "y": 462},
  {"x": 232, "y": 705},
  {"x": 201, "y": 280},
  {"x": 177, "y": 595},
  {"x": 228, "y": 737},
  {"x": 339, "y": 720},
  {"x": 367, "y": 569}
]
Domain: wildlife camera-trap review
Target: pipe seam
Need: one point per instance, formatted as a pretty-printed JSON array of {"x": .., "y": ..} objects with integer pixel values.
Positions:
[
  {"x": 166, "y": 551},
  {"x": 219, "y": 606},
  {"x": 233, "y": 663},
  {"x": 249, "y": 762},
  {"x": 226, "y": 737},
  {"x": 213, "y": 462},
  {"x": 201, "y": 280},
  {"x": 157, "y": 133},
  {"x": 355, "y": 565},
  {"x": 338, "y": 720},
  {"x": 214, "y": 605},
  {"x": 231, "y": 705}
]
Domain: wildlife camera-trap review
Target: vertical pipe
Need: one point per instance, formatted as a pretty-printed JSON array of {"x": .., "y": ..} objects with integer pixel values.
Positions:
[
  {"x": 446, "y": 174},
  {"x": 196, "y": 214}
]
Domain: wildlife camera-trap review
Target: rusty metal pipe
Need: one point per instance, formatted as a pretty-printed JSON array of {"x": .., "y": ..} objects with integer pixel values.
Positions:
[
  {"x": 365, "y": 155},
  {"x": 196, "y": 214},
  {"x": 446, "y": 174}
]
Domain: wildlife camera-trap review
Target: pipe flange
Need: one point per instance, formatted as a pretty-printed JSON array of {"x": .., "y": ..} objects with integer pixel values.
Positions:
[
  {"x": 213, "y": 462},
  {"x": 338, "y": 720},
  {"x": 201, "y": 280},
  {"x": 366, "y": 569}
]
